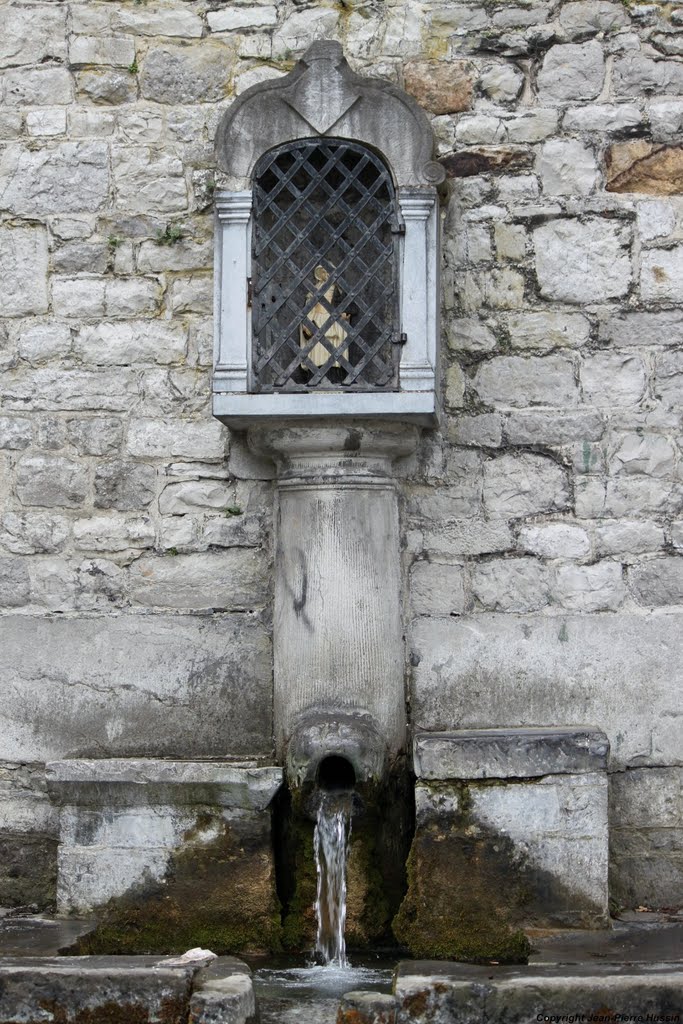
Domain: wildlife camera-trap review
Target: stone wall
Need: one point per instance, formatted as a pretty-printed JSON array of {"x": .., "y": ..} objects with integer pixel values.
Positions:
[{"x": 542, "y": 522}]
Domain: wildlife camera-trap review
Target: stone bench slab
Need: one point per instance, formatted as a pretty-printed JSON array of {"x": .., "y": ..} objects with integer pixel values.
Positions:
[{"x": 509, "y": 753}]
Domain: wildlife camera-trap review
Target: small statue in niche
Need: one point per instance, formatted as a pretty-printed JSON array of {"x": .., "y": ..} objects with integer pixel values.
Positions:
[{"x": 320, "y": 315}]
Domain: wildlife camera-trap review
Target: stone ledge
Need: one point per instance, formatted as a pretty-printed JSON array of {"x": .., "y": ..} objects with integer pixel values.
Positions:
[
  {"x": 509, "y": 753},
  {"x": 124, "y": 988},
  {"x": 424, "y": 990},
  {"x": 242, "y": 785}
]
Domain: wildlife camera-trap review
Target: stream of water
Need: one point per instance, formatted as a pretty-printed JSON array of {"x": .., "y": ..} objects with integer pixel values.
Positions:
[{"x": 331, "y": 846}]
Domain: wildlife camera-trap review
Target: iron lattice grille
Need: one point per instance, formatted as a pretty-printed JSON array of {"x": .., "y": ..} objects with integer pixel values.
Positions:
[{"x": 324, "y": 270}]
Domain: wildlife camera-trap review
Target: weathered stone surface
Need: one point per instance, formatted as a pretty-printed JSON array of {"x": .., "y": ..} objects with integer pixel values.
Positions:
[
  {"x": 118, "y": 51},
  {"x": 194, "y": 495},
  {"x": 603, "y": 117},
  {"x": 141, "y": 989},
  {"x": 509, "y": 753},
  {"x": 148, "y": 180},
  {"x": 235, "y": 19},
  {"x": 649, "y": 454},
  {"x": 615, "y": 666},
  {"x": 547, "y": 330},
  {"x": 628, "y": 538},
  {"x": 437, "y": 589},
  {"x": 515, "y": 380},
  {"x": 510, "y": 585},
  {"x": 502, "y": 83},
  {"x": 68, "y": 178},
  {"x": 181, "y": 686},
  {"x": 23, "y": 283},
  {"x": 37, "y": 86},
  {"x": 640, "y": 166},
  {"x": 158, "y": 21},
  {"x": 229, "y": 580},
  {"x": 485, "y": 160},
  {"x": 523, "y": 484},
  {"x": 188, "y": 440},
  {"x": 567, "y": 168},
  {"x": 530, "y": 426},
  {"x": 657, "y": 582},
  {"x": 573, "y": 71},
  {"x": 14, "y": 582},
  {"x": 15, "y": 433},
  {"x": 46, "y": 39},
  {"x": 113, "y": 533},
  {"x": 96, "y": 435},
  {"x": 610, "y": 378},
  {"x": 186, "y": 74},
  {"x": 636, "y": 74},
  {"x": 224, "y": 992},
  {"x": 584, "y": 18},
  {"x": 30, "y": 533},
  {"x": 131, "y": 343},
  {"x": 555, "y": 540},
  {"x": 112, "y": 87},
  {"x": 660, "y": 275},
  {"x": 655, "y": 219},
  {"x": 443, "y": 88},
  {"x": 51, "y": 481},
  {"x": 124, "y": 485},
  {"x": 590, "y": 588},
  {"x": 583, "y": 261}
]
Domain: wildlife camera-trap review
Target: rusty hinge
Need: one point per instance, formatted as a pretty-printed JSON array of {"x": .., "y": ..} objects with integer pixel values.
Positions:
[
  {"x": 400, "y": 339},
  {"x": 250, "y": 292}
]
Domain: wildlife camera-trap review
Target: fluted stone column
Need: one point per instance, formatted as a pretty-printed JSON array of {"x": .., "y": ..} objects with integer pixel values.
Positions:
[{"x": 338, "y": 650}]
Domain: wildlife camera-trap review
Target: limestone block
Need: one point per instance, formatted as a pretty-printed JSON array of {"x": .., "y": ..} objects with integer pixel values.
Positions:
[
  {"x": 666, "y": 118},
  {"x": 663, "y": 327},
  {"x": 470, "y": 335},
  {"x": 530, "y": 426},
  {"x": 146, "y": 180},
  {"x": 571, "y": 71},
  {"x": 11, "y": 124},
  {"x": 49, "y": 122},
  {"x": 192, "y": 295},
  {"x": 612, "y": 379},
  {"x": 81, "y": 257},
  {"x": 649, "y": 454},
  {"x": 628, "y": 538},
  {"x": 223, "y": 991},
  {"x": 29, "y": 533},
  {"x": 124, "y": 485},
  {"x": 547, "y": 330},
  {"x": 195, "y": 686},
  {"x": 515, "y": 380},
  {"x": 96, "y": 435},
  {"x": 118, "y": 51},
  {"x": 589, "y": 588},
  {"x": 660, "y": 275},
  {"x": 51, "y": 481},
  {"x": 194, "y": 495},
  {"x": 70, "y": 177},
  {"x": 635, "y": 75},
  {"x": 237, "y": 531},
  {"x": 510, "y": 241},
  {"x": 658, "y": 582},
  {"x": 567, "y": 168},
  {"x": 131, "y": 296},
  {"x": 582, "y": 262},
  {"x": 437, "y": 589},
  {"x": 231, "y": 580},
  {"x": 47, "y": 37},
  {"x": 502, "y": 83},
  {"x": 603, "y": 117},
  {"x": 555, "y": 540},
  {"x": 440, "y": 88},
  {"x": 23, "y": 283},
  {"x": 15, "y": 585},
  {"x": 200, "y": 440},
  {"x": 78, "y": 296},
  {"x": 113, "y": 533},
  {"x": 187, "y": 74},
  {"x": 668, "y": 377},
  {"x": 130, "y": 343},
  {"x": 588, "y": 17},
  {"x": 44, "y": 341},
  {"x": 41, "y": 86},
  {"x": 15, "y": 433},
  {"x": 230, "y": 19},
  {"x": 185, "y": 254},
  {"x": 512, "y": 585},
  {"x": 107, "y": 86},
  {"x": 158, "y": 21},
  {"x": 532, "y": 125},
  {"x": 655, "y": 219},
  {"x": 485, "y": 431},
  {"x": 524, "y": 484}
]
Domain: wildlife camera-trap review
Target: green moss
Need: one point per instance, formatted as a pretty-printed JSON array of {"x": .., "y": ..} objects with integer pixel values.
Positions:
[
  {"x": 298, "y": 928},
  {"x": 466, "y": 891},
  {"x": 219, "y": 895}
]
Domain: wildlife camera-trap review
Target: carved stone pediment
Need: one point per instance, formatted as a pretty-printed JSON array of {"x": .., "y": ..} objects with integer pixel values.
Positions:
[{"x": 323, "y": 96}]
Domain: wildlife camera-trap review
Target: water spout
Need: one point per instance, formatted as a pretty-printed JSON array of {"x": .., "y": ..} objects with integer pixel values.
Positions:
[{"x": 331, "y": 844}]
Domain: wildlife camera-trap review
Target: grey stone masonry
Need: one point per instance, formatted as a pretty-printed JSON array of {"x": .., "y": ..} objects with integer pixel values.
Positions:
[{"x": 509, "y": 753}]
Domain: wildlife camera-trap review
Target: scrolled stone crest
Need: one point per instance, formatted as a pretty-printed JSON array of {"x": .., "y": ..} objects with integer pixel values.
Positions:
[{"x": 322, "y": 96}]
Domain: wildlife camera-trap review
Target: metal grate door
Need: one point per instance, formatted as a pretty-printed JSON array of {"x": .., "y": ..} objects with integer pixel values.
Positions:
[{"x": 324, "y": 269}]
